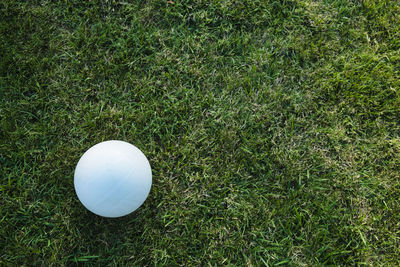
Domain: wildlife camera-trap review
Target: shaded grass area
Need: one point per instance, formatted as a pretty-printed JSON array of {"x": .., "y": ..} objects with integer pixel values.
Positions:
[{"x": 272, "y": 128}]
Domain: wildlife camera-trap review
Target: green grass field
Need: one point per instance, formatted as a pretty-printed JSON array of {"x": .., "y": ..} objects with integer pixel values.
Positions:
[{"x": 272, "y": 128}]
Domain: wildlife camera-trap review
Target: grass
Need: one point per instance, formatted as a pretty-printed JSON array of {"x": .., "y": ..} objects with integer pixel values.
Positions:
[{"x": 272, "y": 128}]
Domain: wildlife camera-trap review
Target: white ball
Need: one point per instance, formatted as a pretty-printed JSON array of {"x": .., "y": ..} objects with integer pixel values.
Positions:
[{"x": 113, "y": 178}]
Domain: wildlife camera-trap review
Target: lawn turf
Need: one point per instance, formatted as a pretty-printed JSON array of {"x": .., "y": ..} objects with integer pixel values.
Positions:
[{"x": 272, "y": 128}]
